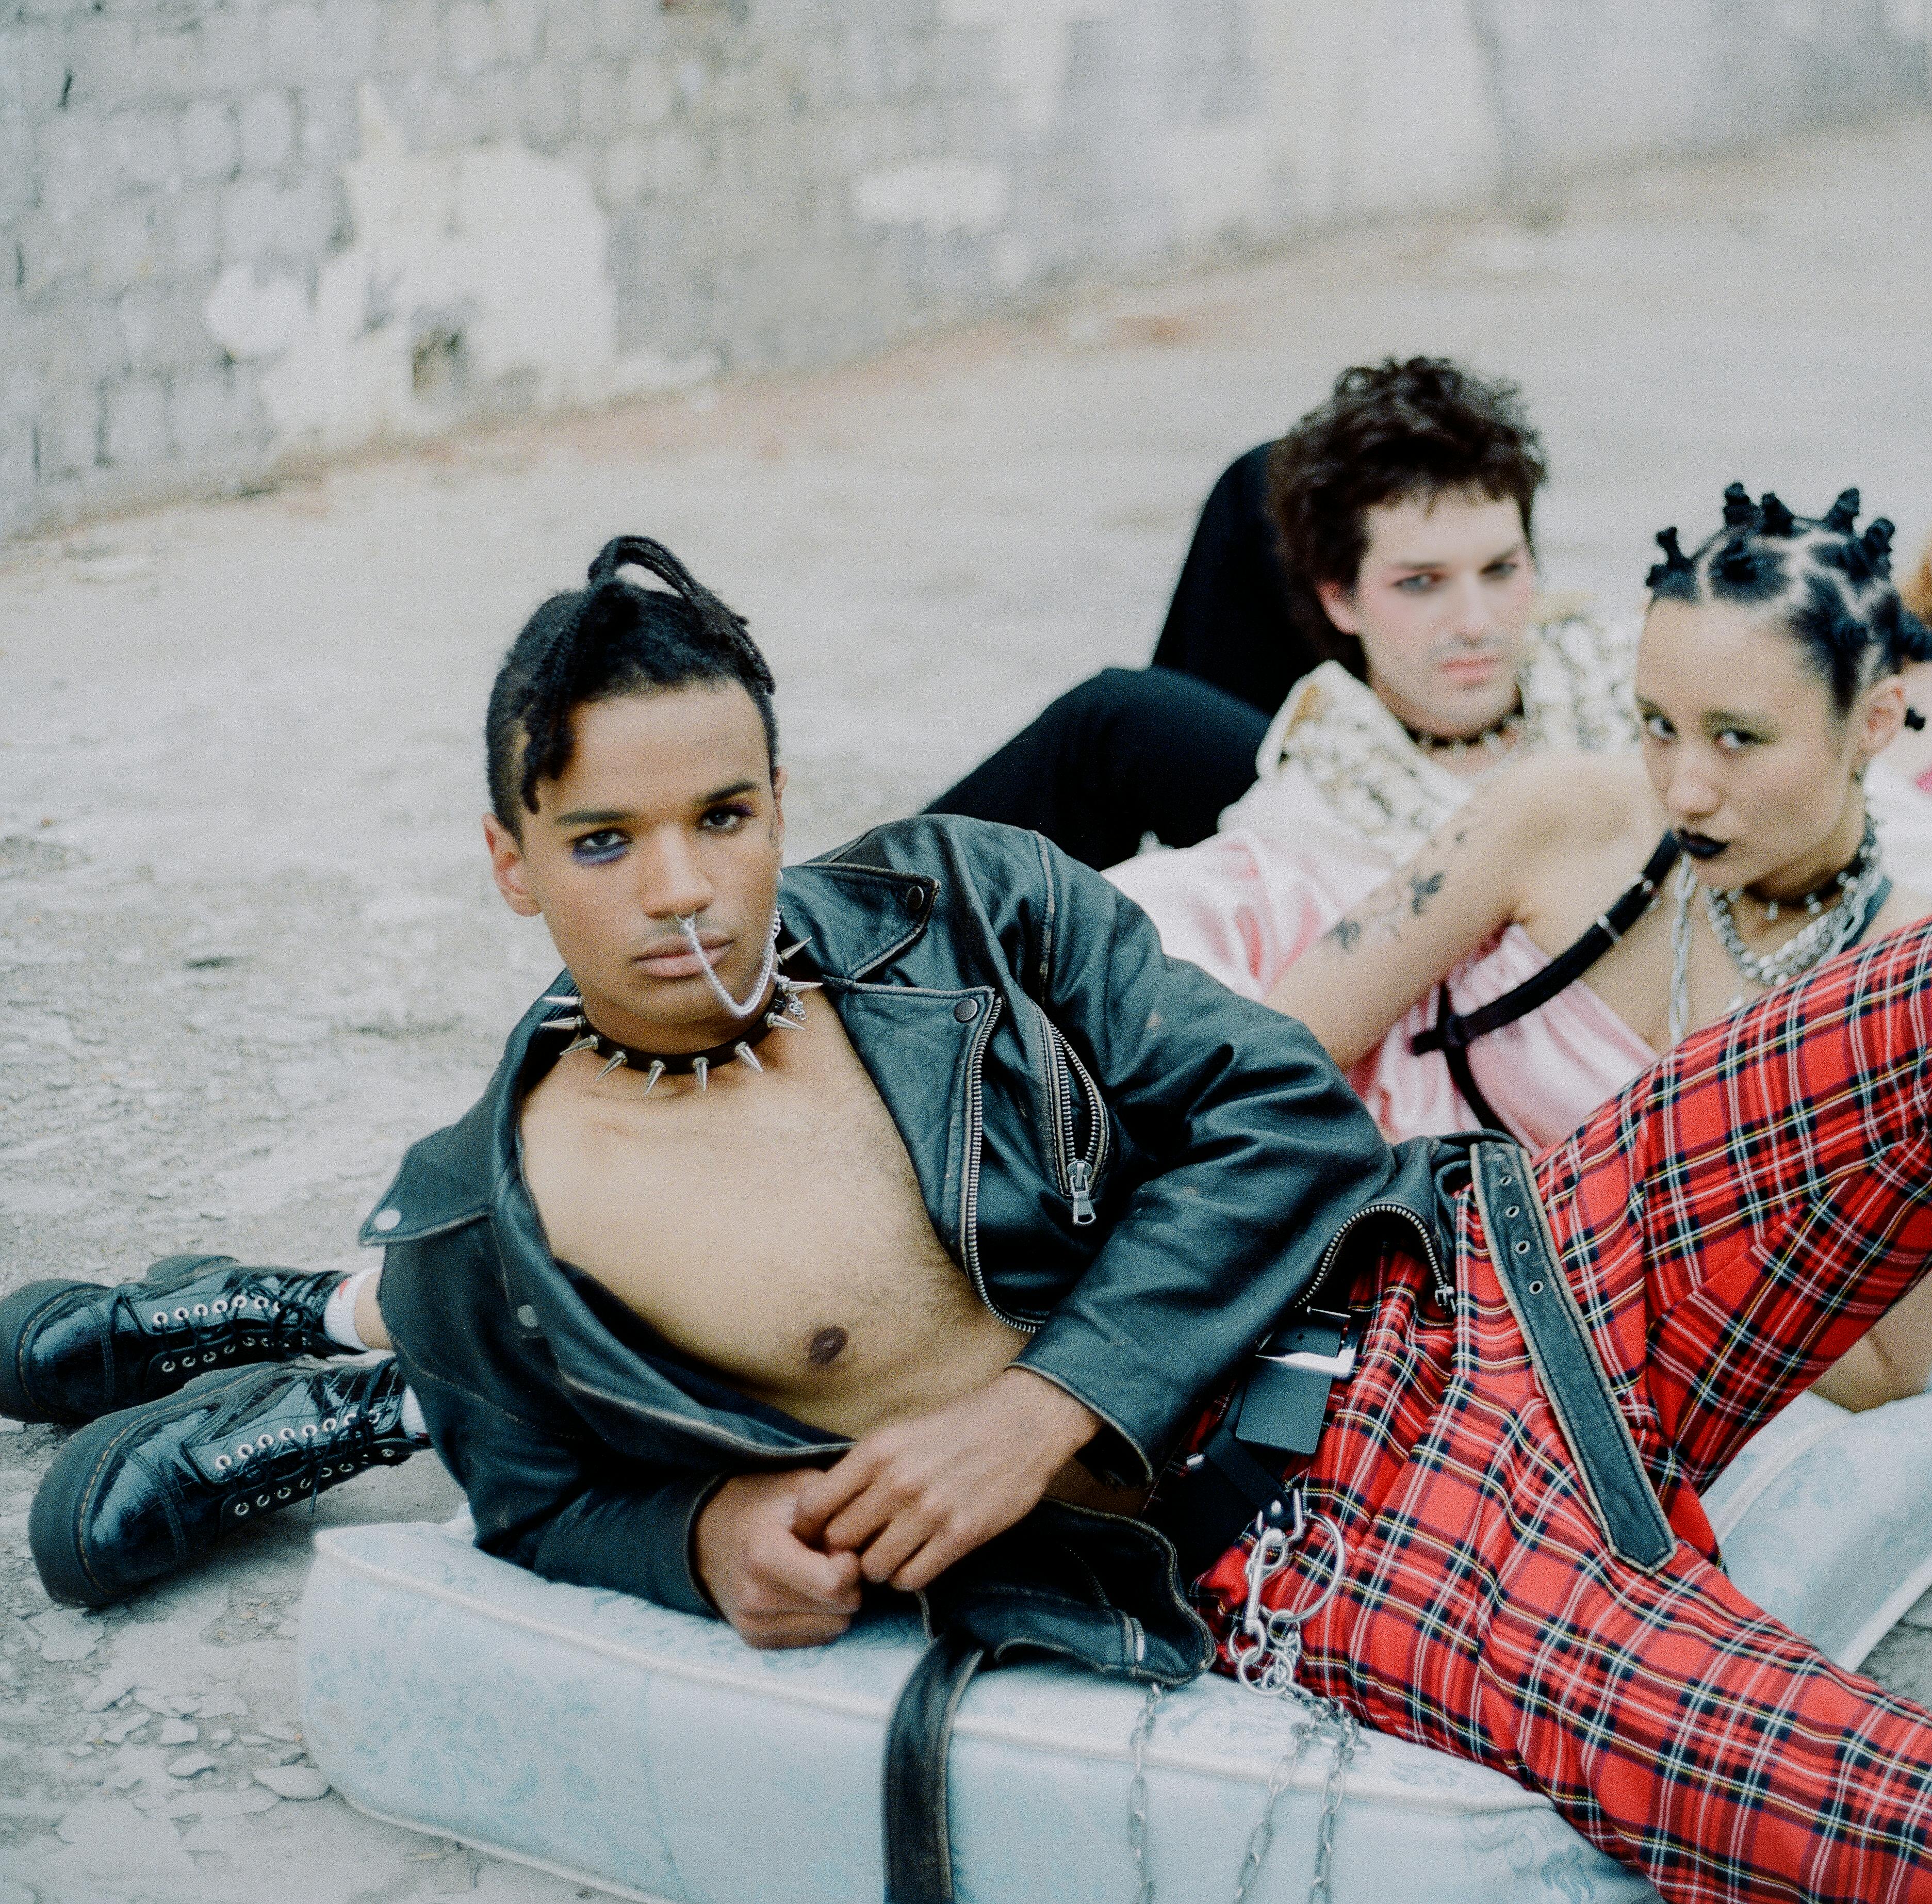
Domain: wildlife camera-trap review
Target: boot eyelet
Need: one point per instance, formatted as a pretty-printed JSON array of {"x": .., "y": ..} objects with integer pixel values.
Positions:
[
  {"x": 223, "y": 1461},
  {"x": 167, "y": 1368},
  {"x": 181, "y": 1315},
  {"x": 261, "y": 1500},
  {"x": 328, "y": 1424},
  {"x": 201, "y": 1309},
  {"x": 160, "y": 1316},
  {"x": 287, "y": 1434},
  {"x": 220, "y": 1305},
  {"x": 241, "y": 1508},
  {"x": 308, "y": 1431},
  {"x": 228, "y": 1348},
  {"x": 281, "y": 1493}
]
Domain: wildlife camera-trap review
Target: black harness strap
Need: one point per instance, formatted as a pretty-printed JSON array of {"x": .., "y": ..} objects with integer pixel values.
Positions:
[{"x": 1453, "y": 1031}]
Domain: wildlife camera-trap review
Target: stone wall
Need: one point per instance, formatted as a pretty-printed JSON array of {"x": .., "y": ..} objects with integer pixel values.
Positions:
[{"x": 237, "y": 232}]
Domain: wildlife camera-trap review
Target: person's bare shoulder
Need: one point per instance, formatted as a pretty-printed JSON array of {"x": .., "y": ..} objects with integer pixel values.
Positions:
[{"x": 1568, "y": 802}]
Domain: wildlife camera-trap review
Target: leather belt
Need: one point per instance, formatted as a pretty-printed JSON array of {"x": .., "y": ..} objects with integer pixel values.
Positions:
[{"x": 1567, "y": 1368}]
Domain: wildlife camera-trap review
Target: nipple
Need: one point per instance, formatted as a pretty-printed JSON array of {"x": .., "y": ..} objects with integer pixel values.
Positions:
[{"x": 825, "y": 1346}]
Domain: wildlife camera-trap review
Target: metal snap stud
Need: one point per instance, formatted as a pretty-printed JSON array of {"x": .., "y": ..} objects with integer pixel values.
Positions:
[
  {"x": 966, "y": 1010},
  {"x": 526, "y": 1316},
  {"x": 387, "y": 1219}
]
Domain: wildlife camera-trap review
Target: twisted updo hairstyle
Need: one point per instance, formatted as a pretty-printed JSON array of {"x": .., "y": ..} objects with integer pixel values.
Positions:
[
  {"x": 1829, "y": 585},
  {"x": 617, "y": 635}
]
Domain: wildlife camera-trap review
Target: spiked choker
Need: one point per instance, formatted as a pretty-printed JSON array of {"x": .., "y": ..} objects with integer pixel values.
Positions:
[
  {"x": 785, "y": 1011},
  {"x": 1496, "y": 739}
]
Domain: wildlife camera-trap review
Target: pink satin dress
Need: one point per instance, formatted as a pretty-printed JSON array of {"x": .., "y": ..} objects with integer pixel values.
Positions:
[{"x": 1245, "y": 909}]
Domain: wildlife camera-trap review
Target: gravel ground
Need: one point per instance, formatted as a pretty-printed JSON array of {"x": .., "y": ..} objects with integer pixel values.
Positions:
[{"x": 248, "y": 946}]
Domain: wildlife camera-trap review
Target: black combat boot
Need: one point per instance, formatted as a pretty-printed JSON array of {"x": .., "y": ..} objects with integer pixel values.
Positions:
[
  {"x": 138, "y": 1494},
  {"x": 71, "y": 1351}
]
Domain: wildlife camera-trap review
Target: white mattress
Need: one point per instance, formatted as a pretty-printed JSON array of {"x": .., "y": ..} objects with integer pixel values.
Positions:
[{"x": 655, "y": 1756}]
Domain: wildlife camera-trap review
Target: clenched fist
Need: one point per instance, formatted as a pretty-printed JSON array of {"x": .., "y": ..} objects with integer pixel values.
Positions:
[{"x": 775, "y": 1589}]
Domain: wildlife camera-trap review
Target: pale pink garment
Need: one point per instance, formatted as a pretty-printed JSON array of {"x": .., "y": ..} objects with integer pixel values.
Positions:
[{"x": 1246, "y": 909}]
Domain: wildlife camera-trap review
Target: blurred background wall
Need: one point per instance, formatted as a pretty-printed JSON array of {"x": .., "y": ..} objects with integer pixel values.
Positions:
[{"x": 235, "y": 233}]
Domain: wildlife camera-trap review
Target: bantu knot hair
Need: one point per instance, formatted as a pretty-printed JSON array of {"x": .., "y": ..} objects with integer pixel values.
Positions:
[
  {"x": 1675, "y": 563},
  {"x": 1737, "y": 564},
  {"x": 1828, "y": 587}
]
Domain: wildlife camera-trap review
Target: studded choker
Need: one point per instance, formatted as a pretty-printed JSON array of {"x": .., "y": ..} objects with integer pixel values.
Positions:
[
  {"x": 784, "y": 1009},
  {"x": 1496, "y": 739}
]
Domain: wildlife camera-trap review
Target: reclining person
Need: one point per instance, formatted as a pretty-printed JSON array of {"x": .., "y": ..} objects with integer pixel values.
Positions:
[
  {"x": 1583, "y": 913},
  {"x": 1386, "y": 536},
  {"x": 748, "y": 1322}
]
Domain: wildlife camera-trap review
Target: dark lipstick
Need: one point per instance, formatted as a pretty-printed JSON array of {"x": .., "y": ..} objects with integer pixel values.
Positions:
[{"x": 1701, "y": 845}]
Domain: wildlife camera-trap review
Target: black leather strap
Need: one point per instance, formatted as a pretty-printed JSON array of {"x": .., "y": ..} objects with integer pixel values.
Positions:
[
  {"x": 919, "y": 1848},
  {"x": 1454, "y": 1030},
  {"x": 1571, "y": 1377}
]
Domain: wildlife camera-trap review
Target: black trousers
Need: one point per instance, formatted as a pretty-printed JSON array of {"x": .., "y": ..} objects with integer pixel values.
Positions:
[{"x": 1163, "y": 749}]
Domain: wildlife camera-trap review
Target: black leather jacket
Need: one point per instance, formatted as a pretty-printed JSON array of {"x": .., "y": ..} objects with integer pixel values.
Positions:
[{"x": 1124, "y": 1158}]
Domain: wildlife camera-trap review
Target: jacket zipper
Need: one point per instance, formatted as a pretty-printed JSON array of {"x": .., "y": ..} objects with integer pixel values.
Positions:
[
  {"x": 1078, "y": 1173},
  {"x": 969, "y": 1207},
  {"x": 1445, "y": 1291}
]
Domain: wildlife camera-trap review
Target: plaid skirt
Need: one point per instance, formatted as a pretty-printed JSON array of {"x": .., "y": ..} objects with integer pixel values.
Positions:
[{"x": 1730, "y": 1225}]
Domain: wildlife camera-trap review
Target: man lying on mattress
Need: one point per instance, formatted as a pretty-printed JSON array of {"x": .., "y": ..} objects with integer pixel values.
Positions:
[{"x": 903, "y": 1223}]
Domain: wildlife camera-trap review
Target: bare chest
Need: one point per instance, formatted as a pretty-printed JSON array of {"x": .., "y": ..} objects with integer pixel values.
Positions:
[{"x": 771, "y": 1227}]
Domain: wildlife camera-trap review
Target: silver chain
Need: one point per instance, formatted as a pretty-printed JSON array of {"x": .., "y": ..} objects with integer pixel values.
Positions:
[
  {"x": 1827, "y": 935},
  {"x": 1266, "y": 1654},
  {"x": 1137, "y": 1796}
]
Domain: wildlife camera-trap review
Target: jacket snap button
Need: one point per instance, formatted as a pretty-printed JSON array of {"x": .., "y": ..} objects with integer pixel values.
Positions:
[
  {"x": 966, "y": 1010},
  {"x": 527, "y": 1316},
  {"x": 387, "y": 1219},
  {"x": 915, "y": 900}
]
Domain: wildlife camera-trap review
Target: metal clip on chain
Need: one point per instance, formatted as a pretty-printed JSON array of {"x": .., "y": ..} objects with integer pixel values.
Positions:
[{"x": 1266, "y": 1653}]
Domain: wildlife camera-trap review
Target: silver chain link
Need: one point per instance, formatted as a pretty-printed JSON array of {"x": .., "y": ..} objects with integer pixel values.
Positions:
[
  {"x": 1137, "y": 1795},
  {"x": 1266, "y": 1653}
]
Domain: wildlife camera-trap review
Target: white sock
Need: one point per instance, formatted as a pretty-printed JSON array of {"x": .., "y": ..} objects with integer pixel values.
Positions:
[
  {"x": 413, "y": 1424},
  {"x": 338, "y": 1315}
]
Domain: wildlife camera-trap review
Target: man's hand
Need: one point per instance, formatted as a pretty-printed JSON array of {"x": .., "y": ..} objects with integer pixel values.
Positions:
[
  {"x": 773, "y": 1588},
  {"x": 911, "y": 1499}
]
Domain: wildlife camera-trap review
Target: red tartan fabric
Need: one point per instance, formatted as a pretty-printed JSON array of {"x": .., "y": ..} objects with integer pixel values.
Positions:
[{"x": 1730, "y": 1225}]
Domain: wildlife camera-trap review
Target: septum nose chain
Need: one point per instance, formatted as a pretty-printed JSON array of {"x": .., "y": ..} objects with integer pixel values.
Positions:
[{"x": 687, "y": 923}]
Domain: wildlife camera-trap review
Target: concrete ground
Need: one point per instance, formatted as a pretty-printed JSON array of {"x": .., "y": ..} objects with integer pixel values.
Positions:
[{"x": 247, "y": 947}]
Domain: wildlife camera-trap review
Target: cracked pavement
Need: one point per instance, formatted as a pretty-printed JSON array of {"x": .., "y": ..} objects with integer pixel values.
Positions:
[{"x": 248, "y": 947}]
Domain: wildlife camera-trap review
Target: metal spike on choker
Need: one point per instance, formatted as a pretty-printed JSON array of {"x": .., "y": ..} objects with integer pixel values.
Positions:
[{"x": 785, "y": 1011}]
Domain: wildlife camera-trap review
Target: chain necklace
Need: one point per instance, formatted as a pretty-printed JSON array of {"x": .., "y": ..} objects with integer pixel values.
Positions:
[{"x": 1858, "y": 886}]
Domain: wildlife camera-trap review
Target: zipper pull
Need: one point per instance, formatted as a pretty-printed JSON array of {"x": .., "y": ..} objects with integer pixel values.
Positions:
[{"x": 1079, "y": 1183}]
